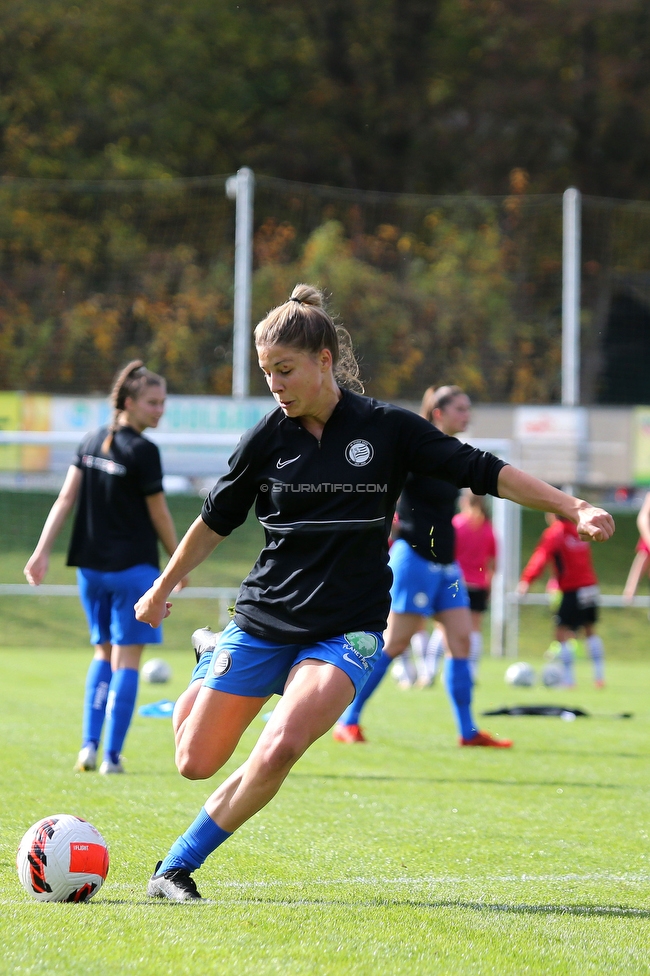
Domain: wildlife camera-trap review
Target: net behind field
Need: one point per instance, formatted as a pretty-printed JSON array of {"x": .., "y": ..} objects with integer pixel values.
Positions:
[
  {"x": 94, "y": 274},
  {"x": 616, "y": 301},
  {"x": 432, "y": 289},
  {"x": 462, "y": 289}
]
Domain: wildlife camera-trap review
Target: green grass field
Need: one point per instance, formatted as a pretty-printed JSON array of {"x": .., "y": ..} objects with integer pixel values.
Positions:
[{"x": 403, "y": 856}]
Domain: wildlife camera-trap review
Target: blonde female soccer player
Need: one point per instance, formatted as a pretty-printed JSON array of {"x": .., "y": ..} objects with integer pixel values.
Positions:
[
  {"x": 115, "y": 481},
  {"x": 324, "y": 471}
]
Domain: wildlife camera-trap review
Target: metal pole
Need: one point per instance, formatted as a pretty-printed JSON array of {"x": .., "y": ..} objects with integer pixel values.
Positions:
[
  {"x": 499, "y": 590},
  {"x": 513, "y": 541},
  {"x": 504, "y": 608},
  {"x": 571, "y": 261},
  {"x": 241, "y": 188}
]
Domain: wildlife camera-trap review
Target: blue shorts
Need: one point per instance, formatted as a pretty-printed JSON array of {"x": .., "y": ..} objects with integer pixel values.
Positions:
[
  {"x": 108, "y": 600},
  {"x": 254, "y": 668},
  {"x": 423, "y": 587}
]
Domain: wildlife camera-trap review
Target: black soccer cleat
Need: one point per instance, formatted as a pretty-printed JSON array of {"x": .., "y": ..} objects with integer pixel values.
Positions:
[
  {"x": 203, "y": 640},
  {"x": 177, "y": 884}
]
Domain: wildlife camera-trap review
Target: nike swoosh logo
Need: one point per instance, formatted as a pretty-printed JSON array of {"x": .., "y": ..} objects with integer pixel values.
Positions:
[
  {"x": 350, "y": 660},
  {"x": 283, "y": 464}
]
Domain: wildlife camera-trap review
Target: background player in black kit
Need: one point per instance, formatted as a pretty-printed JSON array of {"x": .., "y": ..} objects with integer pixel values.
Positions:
[
  {"x": 324, "y": 472},
  {"x": 427, "y": 581},
  {"x": 116, "y": 482}
]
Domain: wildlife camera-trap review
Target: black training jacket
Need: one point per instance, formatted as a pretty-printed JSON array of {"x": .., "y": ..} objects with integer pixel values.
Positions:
[
  {"x": 112, "y": 527},
  {"x": 326, "y": 508},
  {"x": 425, "y": 510}
]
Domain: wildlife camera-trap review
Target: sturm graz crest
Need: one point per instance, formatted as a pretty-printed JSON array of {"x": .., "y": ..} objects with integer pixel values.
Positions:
[
  {"x": 221, "y": 663},
  {"x": 359, "y": 452}
]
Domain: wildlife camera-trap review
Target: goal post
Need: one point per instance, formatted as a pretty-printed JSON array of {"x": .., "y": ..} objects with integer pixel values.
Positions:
[
  {"x": 504, "y": 605},
  {"x": 506, "y": 522}
]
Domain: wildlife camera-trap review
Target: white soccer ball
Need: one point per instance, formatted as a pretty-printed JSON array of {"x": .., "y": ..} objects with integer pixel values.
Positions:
[
  {"x": 552, "y": 675},
  {"x": 520, "y": 674},
  {"x": 156, "y": 671},
  {"x": 62, "y": 858}
]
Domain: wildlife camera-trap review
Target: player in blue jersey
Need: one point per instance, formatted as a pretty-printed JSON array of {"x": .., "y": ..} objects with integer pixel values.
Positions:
[
  {"x": 115, "y": 481},
  {"x": 427, "y": 581},
  {"x": 324, "y": 471}
]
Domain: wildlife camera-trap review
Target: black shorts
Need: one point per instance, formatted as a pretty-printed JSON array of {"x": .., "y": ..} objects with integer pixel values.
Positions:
[
  {"x": 478, "y": 600},
  {"x": 578, "y": 608}
]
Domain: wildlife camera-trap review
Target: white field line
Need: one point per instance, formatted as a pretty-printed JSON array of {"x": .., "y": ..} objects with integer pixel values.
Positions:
[
  {"x": 643, "y": 879},
  {"x": 479, "y": 879},
  {"x": 117, "y": 888}
]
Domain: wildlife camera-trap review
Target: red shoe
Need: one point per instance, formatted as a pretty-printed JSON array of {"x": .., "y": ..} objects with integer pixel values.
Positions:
[
  {"x": 485, "y": 739},
  {"x": 348, "y": 733},
  {"x": 599, "y": 683}
]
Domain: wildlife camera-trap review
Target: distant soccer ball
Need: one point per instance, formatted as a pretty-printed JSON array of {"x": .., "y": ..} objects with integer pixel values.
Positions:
[
  {"x": 552, "y": 675},
  {"x": 156, "y": 671},
  {"x": 62, "y": 858},
  {"x": 520, "y": 674}
]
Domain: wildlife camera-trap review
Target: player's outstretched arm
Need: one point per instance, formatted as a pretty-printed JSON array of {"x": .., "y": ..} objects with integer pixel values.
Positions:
[
  {"x": 38, "y": 563},
  {"x": 594, "y": 524},
  {"x": 195, "y": 546}
]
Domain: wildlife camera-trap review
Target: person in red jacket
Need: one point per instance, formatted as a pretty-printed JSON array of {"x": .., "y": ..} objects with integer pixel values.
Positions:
[{"x": 570, "y": 559}]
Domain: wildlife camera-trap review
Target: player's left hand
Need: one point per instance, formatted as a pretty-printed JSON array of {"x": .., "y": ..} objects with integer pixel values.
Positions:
[
  {"x": 152, "y": 607},
  {"x": 595, "y": 524}
]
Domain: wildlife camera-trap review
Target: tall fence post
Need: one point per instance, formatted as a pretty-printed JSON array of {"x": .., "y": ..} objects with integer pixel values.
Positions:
[
  {"x": 571, "y": 261},
  {"x": 241, "y": 188},
  {"x": 504, "y": 606}
]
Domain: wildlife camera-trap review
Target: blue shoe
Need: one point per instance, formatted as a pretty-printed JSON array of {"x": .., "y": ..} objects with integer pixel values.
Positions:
[{"x": 159, "y": 709}]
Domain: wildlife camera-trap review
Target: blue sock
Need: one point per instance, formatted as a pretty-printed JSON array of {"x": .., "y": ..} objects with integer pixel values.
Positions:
[
  {"x": 98, "y": 679},
  {"x": 352, "y": 714},
  {"x": 458, "y": 681},
  {"x": 119, "y": 710},
  {"x": 191, "y": 849}
]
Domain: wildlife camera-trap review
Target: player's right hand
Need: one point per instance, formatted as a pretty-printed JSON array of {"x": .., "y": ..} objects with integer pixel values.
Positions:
[
  {"x": 36, "y": 568},
  {"x": 594, "y": 524}
]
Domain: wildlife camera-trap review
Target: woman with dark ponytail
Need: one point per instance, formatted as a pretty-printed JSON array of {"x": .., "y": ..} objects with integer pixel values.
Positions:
[
  {"x": 115, "y": 481},
  {"x": 324, "y": 471}
]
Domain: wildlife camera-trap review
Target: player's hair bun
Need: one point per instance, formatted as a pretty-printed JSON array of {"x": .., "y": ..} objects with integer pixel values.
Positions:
[
  {"x": 304, "y": 323},
  {"x": 308, "y": 295}
]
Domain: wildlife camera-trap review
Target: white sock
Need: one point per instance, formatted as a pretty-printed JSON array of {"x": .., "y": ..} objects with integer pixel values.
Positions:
[
  {"x": 566, "y": 657},
  {"x": 435, "y": 652},
  {"x": 597, "y": 655},
  {"x": 475, "y": 651},
  {"x": 404, "y": 670},
  {"x": 419, "y": 643}
]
